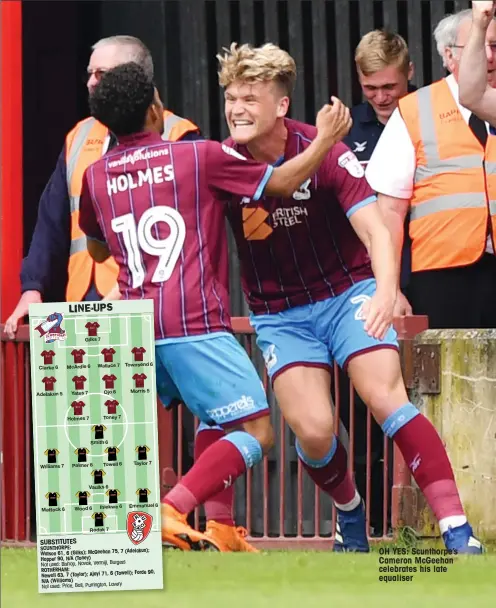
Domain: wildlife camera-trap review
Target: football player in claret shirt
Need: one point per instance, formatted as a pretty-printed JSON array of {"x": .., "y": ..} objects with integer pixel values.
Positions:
[
  {"x": 79, "y": 383},
  {"x": 111, "y": 405},
  {"x": 78, "y": 355},
  {"x": 49, "y": 383},
  {"x": 77, "y": 406},
  {"x": 138, "y": 352},
  {"x": 92, "y": 328},
  {"x": 108, "y": 355},
  {"x": 321, "y": 283},
  {"x": 169, "y": 201},
  {"x": 109, "y": 380},
  {"x": 48, "y": 356},
  {"x": 139, "y": 380}
]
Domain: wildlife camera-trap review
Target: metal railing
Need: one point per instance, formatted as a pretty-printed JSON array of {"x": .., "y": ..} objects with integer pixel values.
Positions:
[{"x": 276, "y": 501}]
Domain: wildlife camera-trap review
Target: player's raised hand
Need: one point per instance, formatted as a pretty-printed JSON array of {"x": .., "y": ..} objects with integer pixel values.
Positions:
[
  {"x": 378, "y": 314},
  {"x": 334, "y": 121},
  {"x": 483, "y": 13}
]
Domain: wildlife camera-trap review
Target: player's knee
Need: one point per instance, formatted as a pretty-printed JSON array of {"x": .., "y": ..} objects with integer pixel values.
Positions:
[
  {"x": 385, "y": 398},
  {"x": 315, "y": 436},
  {"x": 262, "y": 430}
]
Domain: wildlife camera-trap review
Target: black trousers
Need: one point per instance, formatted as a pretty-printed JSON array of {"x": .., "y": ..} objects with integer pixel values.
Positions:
[{"x": 456, "y": 298}]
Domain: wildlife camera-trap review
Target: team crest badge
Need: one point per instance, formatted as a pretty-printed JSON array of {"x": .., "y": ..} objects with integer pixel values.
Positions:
[
  {"x": 351, "y": 163},
  {"x": 138, "y": 526},
  {"x": 51, "y": 329}
]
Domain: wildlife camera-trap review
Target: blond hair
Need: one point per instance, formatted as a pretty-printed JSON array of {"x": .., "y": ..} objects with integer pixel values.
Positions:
[
  {"x": 380, "y": 49},
  {"x": 257, "y": 64}
]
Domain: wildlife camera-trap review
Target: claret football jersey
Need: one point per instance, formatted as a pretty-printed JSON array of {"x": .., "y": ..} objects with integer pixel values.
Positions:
[
  {"x": 302, "y": 249},
  {"x": 160, "y": 208},
  {"x": 48, "y": 356},
  {"x": 109, "y": 380},
  {"x": 108, "y": 355}
]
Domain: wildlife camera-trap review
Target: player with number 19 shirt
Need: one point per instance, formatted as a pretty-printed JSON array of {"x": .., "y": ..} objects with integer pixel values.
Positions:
[
  {"x": 161, "y": 200},
  {"x": 157, "y": 207}
]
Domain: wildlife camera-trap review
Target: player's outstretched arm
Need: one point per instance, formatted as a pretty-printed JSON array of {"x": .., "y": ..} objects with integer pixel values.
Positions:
[
  {"x": 475, "y": 92},
  {"x": 394, "y": 212},
  {"x": 333, "y": 123},
  {"x": 375, "y": 235}
]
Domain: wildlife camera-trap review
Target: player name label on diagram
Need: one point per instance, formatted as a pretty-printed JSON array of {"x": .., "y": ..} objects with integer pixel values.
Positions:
[{"x": 96, "y": 446}]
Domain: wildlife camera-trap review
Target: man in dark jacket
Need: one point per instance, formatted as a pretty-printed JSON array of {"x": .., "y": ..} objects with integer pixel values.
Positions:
[{"x": 47, "y": 262}]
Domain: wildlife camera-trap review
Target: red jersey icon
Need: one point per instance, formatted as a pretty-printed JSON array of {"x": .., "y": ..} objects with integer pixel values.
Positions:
[
  {"x": 49, "y": 382},
  {"x": 78, "y": 355},
  {"x": 138, "y": 352},
  {"x": 139, "y": 380},
  {"x": 108, "y": 355},
  {"x": 79, "y": 382},
  {"x": 92, "y": 328},
  {"x": 111, "y": 405},
  {"x": 109, "y": 380},
  {"x": 48, "y": 356},
  {"x": 78, "y": 407}
]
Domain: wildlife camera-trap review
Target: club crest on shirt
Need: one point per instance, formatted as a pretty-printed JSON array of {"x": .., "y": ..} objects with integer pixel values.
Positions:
[
  {"x": 351, "y": 163},
  {"x": 303, "y": 193},
  {"x": 51, "y": 329}
]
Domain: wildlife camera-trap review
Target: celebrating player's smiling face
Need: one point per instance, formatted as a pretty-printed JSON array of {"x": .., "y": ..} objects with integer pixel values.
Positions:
[{"x": 252, "y": 109}]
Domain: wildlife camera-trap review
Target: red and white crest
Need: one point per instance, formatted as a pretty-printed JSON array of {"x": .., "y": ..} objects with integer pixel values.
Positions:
[{"x": 138, "y": 526}]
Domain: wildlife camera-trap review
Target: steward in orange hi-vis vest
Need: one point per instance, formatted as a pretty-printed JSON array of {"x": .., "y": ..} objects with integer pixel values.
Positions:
[
  {"x": 453, "y": 204},
  {"x": 84, "y": 145}
]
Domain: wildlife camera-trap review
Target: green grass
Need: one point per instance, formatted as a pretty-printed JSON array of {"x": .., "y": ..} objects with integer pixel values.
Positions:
[{"x": 275, "y": 579}]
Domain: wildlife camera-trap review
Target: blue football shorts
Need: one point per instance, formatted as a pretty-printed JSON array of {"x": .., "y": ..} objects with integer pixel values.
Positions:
[
  {"x": 213, "y": 376},
  {"x": 317, "y": 334}
]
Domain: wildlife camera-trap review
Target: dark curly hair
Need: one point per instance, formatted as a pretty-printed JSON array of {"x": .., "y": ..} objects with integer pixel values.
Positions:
[{"x": 121, "y": 99}]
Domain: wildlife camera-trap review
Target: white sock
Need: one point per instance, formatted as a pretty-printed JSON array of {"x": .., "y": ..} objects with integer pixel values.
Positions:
[
  {"x": 454, "y": 521},
  {"x": 353, "y": 504}
]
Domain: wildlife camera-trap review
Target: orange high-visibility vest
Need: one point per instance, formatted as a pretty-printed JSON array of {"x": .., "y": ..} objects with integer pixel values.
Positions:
[
  {"x": 454, "y": 194},
  {"x": 84, "y": 145}
]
